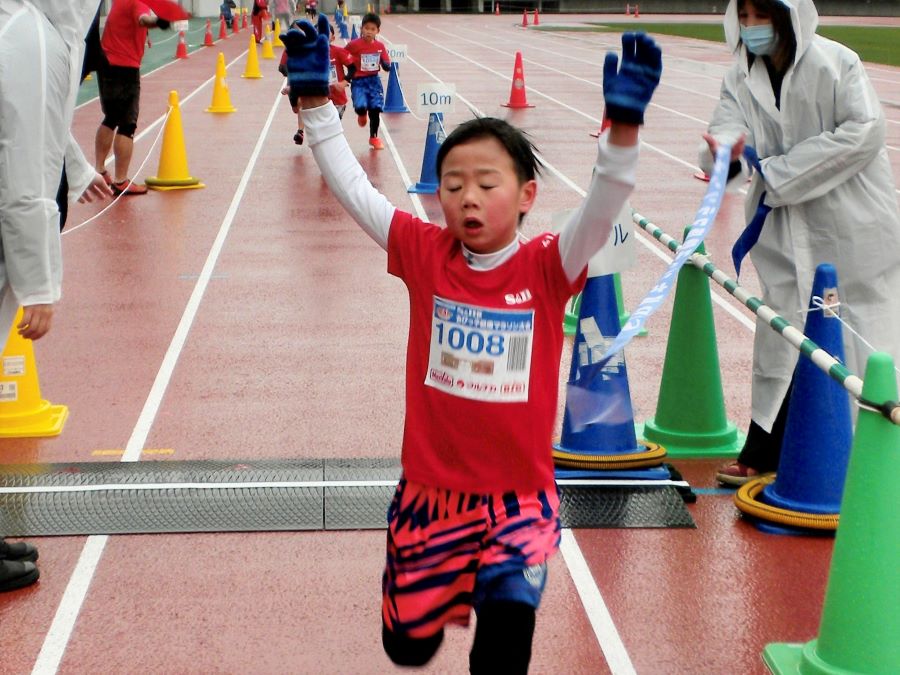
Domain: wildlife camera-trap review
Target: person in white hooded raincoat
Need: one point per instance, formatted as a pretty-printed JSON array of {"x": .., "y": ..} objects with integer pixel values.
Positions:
[
  {"x": 41, "y": 47},
  {"x": 805, "y": 104}
]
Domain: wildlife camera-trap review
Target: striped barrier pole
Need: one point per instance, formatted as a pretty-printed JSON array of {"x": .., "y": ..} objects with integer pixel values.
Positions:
[{"x": 822, "y": 359}]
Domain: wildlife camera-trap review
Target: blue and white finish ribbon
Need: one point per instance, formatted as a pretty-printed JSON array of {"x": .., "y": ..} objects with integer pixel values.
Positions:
[{"x": 586, "y": 406}]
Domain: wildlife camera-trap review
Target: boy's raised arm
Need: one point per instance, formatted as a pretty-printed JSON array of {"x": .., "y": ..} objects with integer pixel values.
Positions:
[
  {"x": 308, "y": 66},
  {"x": 626, "y": 93}
]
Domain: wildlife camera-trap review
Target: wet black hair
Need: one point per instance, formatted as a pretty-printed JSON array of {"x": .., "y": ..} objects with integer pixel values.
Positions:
[
  {"x": 371, "y": 17},
  {"x": 517, "y": 145},
  {"x": 786, "y": 41}
]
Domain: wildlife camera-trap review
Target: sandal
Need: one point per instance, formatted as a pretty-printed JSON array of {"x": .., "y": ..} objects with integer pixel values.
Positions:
[
  {"x": 127, "y": 187},
  {"x": 735, "y": 473}
]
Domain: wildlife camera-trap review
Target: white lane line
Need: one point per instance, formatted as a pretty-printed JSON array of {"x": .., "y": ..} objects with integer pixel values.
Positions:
[
  {"x": 601, "y": 621},
  {"x": 67, "y": 613}
]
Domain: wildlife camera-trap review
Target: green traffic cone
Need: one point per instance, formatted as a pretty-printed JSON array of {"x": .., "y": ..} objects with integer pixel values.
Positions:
[
  {"x": 860, "y": 627},
  {"x": 690, "y": 418},
  {"x": 570, "y": 321}
]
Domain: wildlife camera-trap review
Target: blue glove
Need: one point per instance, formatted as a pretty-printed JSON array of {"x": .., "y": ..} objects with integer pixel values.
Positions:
[
  {"x": 308, "y": 58},
  {"x": 628, "y": 91}
]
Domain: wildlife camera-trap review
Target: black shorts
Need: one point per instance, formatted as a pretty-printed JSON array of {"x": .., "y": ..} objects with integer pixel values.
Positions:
[{"x": 120, "y": 95}]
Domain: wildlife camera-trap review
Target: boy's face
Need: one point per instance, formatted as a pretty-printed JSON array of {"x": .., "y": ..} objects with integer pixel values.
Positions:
[
  {"x": 369, "y": 31},
  {"x": 481, "y": 195}
]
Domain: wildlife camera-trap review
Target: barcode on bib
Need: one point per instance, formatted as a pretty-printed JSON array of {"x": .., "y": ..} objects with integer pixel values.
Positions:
[{"x": 517, "y": 354}]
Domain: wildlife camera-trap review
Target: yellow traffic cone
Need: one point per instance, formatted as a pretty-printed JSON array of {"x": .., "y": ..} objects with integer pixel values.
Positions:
[
  {"x": 276, "y": 42},
  {"x": 23, "y": 413},
  {"x": 251, "y": 70},
  {"x": 267, "y": 51},
  {"x": 221, "y": 99},
  {"x": 172, "y": 173}
]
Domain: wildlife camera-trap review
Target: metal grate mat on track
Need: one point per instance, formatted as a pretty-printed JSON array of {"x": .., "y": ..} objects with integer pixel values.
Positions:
[{"x": 268, "y": 495}]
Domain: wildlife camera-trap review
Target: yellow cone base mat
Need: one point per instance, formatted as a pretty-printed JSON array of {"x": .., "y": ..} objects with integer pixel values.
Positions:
[{"x": 46, "y": 420}]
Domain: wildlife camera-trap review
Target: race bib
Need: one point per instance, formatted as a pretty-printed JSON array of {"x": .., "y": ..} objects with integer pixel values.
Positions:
[
  {"x": 480, "y": 353},
  {"x": 332, "y": 75},
  {"x": 369, "y": 62}
]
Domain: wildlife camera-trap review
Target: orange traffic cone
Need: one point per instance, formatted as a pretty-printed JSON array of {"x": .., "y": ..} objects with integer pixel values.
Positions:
[
  {"x": 223, "y": 28},
  {"x": 524, "y": 18},
  {"x": 496, "y": 9},
  {"x": 181, "y": 49},
  {"x": 537, "y": 20},
  {"x": 208, "y": 38},
  {"x": 221, "y": 99},
  {"x": 244, "y": 18},
  {"x": 251, "y": 70},
  {"x": 23, "y": 413},
  {"x": 628, "y": 9},
  {"x": 173, "y": 169},
  {"x": 517, "y": 98},
  {"x": 637, "y": 11}
]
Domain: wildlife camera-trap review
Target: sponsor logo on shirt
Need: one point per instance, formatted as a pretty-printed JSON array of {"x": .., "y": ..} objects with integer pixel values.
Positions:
[{"x": 518, "y": 298}]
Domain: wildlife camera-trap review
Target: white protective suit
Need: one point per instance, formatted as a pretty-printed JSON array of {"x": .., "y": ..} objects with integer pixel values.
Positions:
[
  {"x": 41, "y": 51},
  {"x": 826, "y": 174}
]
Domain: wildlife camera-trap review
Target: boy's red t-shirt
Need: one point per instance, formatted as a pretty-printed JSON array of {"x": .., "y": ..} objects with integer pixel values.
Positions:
[
  {"x": 367, "y": 57},
  {"x": 340, "y": 59},
  {"x": 482, "y": 363},
  {"x": 123, "y": 37}
]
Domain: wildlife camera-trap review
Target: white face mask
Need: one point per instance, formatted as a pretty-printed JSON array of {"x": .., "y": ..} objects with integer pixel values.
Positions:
[{"x": 760, "y": 40}]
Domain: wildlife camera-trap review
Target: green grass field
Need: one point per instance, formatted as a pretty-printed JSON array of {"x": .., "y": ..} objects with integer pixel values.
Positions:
[{"x": 872, "y": 43}]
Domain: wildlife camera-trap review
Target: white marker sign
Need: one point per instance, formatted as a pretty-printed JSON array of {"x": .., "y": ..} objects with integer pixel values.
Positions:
[
  {"x": 434, "y": 97},
  {"x": 397, "y": 53}
]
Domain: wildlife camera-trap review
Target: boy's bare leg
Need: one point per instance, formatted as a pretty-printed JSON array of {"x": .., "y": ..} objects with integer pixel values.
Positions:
[{"x": 103, "y": 142}]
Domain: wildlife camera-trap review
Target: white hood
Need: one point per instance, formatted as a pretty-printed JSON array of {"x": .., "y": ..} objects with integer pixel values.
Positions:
[{"x": 804, "y": 19}]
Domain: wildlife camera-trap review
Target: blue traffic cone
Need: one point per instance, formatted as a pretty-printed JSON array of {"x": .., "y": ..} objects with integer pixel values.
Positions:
[
  {"x": 393, "y": 100},
  {"x": 609, "y": 440},
  {"x": 817, "y": 435},
  {"x": 428, "y": 178},
  {"x": 818, "y": 432},
  {"x": 343, "y": 27},
  {"x": 353, "y": 33}
]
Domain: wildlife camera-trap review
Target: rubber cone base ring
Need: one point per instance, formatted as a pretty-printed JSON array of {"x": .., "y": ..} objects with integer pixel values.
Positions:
[
  {"x": 47, "y": 420},
  {"x": 785, "y": 520},
  {"x": 187, "y": 184},
  {"x": 652, "y": 456}
]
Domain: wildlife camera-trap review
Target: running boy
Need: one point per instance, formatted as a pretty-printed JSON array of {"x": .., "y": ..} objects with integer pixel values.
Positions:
[
  {"x": 475, "y": 516},
  {"x": 368, "y": 95},
  {"x": 337, "y": 83}
]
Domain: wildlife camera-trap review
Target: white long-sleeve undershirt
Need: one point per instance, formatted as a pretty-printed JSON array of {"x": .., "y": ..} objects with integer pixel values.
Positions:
[{"x": 585, "y": 233}]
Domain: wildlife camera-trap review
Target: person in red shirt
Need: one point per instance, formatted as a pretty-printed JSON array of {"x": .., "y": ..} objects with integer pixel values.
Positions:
[
  {"x": 119, "y": 82},
  {"x": 258, "y": 16},
  {"x": 337, "y": 84},
  {"x": 474, "y": 518},
  {"x": 368, "y": 95}
]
